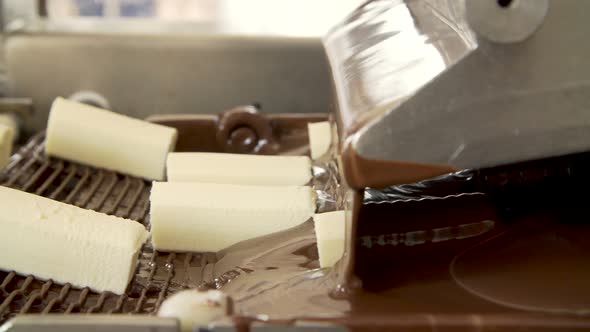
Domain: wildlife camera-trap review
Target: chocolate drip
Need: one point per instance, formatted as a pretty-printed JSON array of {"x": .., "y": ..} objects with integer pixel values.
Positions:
[{"x": 463, "y": 245}]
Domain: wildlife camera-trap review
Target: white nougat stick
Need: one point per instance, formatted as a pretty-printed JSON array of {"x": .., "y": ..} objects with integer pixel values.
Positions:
[
  {"x": 65, "y": 243},
  {"x": 6, "y": 140},
  {"x": 320, "y": 138},
  {"x": 105, "y": 139},
  {"x": 10, "y": 121},
  {"x": 238, "y": 168},
  {"x": 330, "y": 229},
  {"x": 193, "y": 216}
]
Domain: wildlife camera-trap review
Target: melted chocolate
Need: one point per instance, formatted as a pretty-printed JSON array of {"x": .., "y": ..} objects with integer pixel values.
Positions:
[
  {"x": 440, "y": 253},
  {"x": 435, "y": 254},
  {"x": 487, "y": 250},
  {"x": 538, "y": 266},
  {"x": 361, "y": 172},
  {"x": 485, "y": 280},
  {"x": 241, "y": 130},
  {"x": 493, "y": 249},
  {"x": 490, "y": 249}
]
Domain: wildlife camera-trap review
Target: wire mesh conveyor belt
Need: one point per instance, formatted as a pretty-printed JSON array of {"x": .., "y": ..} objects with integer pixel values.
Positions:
[{"x": 158, "y": 274}]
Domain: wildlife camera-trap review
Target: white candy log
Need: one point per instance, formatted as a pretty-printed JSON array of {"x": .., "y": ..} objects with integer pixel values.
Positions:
[
  {"x": 6, "y": 140},
  {"x": 320, "y": 138},
  {"x": 65, "y": 243},
  {"x": 193, "y": 216},
  {"x": 105, "y": 139},
  {"x": 238, "y": 168},
  {"x": 330, "y": 229}
]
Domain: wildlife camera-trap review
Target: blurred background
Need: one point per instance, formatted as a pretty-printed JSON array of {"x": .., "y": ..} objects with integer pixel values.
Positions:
[
  {"x": 148, "y": 57},
  {"x": 261, "y": 17}
]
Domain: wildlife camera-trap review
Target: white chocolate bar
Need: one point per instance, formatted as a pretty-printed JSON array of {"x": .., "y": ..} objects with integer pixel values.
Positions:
[
  {"x": 238, "y": 168},
  {"x": 9, "y": 120},
  {"x": 194, "y": 308},
  {"x": 330, "y": 229},
  {"x": 193, "y": 216},
  {"x": 65, "y": 243},
  {"x": 320, "y": 138},
  {"x": 6, "y": 140},
  {"x": 105, "y": 139}
]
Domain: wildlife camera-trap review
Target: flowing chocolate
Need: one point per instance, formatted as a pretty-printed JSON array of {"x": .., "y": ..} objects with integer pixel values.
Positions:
[
  {"x": 449, "y": 252},
  {"x": 233, "y": 132},
  {"x": 487, "y": 250}
]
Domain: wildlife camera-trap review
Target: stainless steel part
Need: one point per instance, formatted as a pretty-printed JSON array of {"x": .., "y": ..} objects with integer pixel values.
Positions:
[
  {"x": 91, "y": 98},
  {"x": 23, "y": 107},
  {"x": 506, "y": 21},
  {"x": 435, "y": 91},
  {"x": 126, "y": 323},
  {"x": 143, "y": 67},
  {"x": 143, "y": 75},
  {"x": 86, "y": 323}
]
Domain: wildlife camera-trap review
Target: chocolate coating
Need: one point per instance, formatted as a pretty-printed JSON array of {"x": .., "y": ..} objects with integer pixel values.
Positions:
[
  {"x": 201, "y": 132},
  {"x": 461, "y": 273},
  {"x": 447, "y": 253}
]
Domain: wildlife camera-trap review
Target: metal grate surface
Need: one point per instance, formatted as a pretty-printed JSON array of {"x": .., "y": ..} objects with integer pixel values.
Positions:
[{"x": 158, "y": 274}]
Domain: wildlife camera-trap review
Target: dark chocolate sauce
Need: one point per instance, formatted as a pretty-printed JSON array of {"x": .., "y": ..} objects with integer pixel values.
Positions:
[
  {"x": 441, "y": 253},
  {"x": 493, "y": 249},
  {"x": 241, "y": 130}
]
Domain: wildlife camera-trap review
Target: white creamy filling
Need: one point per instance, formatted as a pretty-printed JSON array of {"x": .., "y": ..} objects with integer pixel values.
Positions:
[
  {"x": 109, "y": 140},
  {"x": 330, "y": 229},
  {"x": 193, "y": 216},
  {"x": 238, "y": 168},
  {"x": 320, "y": 138},
  {"x": 6, "y": 139},
  {"x": 65, "y": 243}
]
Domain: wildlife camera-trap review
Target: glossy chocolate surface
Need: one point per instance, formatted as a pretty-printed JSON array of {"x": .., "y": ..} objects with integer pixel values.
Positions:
[
  {"x": 477, "y": 269},
  {"x": 490, "y": 250},
  {"x": 243, "y": 129},
  {"x": 495, "y": 249}
]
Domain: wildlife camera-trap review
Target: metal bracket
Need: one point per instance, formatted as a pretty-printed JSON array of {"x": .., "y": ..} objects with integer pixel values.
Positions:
[{"x": 89, "y": 323}]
